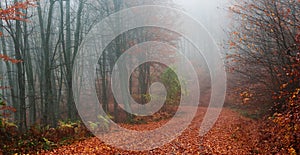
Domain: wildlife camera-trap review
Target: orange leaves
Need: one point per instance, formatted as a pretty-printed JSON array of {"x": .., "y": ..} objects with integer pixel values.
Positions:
[
  {"x": 263, "y": 56},
  {"x": 287, "y": 102},
  {"x": 9, "y": 108},
  {"x": 284, "y": 86},
  {"x": 13, "y": 12},
  {"x": 235, "y": 33},
  {"x": 7, "y": 58},
  {"x": 232, "y": 134},
  {"x": 232, "y": 44},
  {"x": 5, "y": 110}
]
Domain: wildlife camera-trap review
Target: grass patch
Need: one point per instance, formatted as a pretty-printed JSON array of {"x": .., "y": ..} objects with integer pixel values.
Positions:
[{"x": 249, "y": 111}]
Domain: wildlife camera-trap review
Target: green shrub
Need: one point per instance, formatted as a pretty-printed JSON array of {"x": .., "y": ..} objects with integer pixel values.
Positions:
[
  {"x": 102, "y": 124},
  {"x": 172, "y": 84}
]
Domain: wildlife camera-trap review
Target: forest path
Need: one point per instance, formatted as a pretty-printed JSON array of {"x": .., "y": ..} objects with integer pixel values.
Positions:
[{"x": 232, "y": 134}]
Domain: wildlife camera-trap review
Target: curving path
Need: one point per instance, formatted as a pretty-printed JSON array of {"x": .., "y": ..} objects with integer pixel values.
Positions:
[{"x": 232, "y": 134}]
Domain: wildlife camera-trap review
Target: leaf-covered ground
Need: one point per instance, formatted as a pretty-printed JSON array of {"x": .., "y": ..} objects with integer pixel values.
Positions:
[{"x": 232, "y": 134}]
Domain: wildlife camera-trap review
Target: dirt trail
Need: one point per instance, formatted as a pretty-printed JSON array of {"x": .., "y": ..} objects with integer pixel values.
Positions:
[{"x": 232, "y": 134}]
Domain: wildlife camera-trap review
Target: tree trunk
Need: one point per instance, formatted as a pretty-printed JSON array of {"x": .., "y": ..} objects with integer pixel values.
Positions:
[
  {"x": 29, "y": 74},
  {"x": 48, "y": 113},
  {"x": 20, "y": 75}
]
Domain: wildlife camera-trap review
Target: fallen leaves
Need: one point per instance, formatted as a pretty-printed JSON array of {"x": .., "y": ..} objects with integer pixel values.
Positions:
[{"x": 232, "y": 134}]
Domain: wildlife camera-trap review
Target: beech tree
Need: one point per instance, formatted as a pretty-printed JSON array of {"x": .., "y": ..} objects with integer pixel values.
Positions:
[
  {"x": 39, "y": 46},
  {"x": 16, "y": 13},
  {"x": 262, "y": 38},
  {"x": 265, "y": 50},
  {"x": 141, "y": 78}
]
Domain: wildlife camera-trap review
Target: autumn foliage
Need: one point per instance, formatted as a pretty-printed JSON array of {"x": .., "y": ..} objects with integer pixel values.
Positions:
[
  {"x": 14, "y": 12},
  {"x": 265, "y": 45},
  {"x": 285, "y": 122},
  {"x": 7, "y": 58},
  {"x": 287, "y": 108}
]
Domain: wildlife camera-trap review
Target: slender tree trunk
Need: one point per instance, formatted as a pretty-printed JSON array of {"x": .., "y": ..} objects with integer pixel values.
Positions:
[
  {"x": 120, "y": 42},
  {"x": 48, "y": 94},
  {"x": 67, "y": 56},
  {"x": 103, "y": 83},
  {"x": 63, "y": 49},
  {"x": 29, "y": 74},
  {"x": 20, "y": 74}
]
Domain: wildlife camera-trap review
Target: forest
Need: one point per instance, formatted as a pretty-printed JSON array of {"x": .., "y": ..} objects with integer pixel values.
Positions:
[{"x": 149, "y": 77}]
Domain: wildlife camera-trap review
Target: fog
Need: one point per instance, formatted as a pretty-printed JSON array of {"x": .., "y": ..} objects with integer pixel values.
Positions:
[{"x": 211, "y": 13}]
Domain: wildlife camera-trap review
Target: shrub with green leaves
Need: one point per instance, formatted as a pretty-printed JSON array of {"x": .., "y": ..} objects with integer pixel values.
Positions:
[
  {"x": 171, "y": 81},
  {"x": 102, "y": 123}
]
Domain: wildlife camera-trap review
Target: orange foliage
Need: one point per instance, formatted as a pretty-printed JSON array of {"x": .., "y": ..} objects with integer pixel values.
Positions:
[
  {"x": 232, "y": 134},
  {"x": 7, "y": 58},
  {"x": 268, "y": 40},
  {"x": 13, "y": 12},
  {"x": 287, "y": 108}
]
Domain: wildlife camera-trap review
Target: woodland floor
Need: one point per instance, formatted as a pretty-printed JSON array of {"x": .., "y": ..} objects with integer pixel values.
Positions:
[{"x": 232, "y": 134}]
